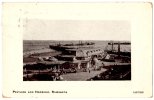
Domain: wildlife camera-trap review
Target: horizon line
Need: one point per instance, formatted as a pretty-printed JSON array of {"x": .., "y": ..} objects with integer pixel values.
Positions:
[{"x": 74, "y": 40}]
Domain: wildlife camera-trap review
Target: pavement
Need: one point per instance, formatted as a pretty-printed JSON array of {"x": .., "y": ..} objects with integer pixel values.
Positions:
[{"x": 81, "y": 76}]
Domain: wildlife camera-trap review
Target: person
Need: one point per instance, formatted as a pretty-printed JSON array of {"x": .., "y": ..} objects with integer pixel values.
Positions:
[
  {"x": 61, "y": 78},
  {"x": 92, "y": 63},
  {"x": 88, "y": 67},
  {"x": 79, "y": 65},
  {"x": 58, "y": 77}
]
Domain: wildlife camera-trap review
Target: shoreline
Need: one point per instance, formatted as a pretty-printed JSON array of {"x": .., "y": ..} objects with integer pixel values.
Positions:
[{"x": 32, "y": 56}]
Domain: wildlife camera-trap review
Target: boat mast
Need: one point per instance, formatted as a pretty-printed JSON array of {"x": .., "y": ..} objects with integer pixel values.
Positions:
[
  {"x": 112, "y": 46},
  {"x": 119, "y": 49}
]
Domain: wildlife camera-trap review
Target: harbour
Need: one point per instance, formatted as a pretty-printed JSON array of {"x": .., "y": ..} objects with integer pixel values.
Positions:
[{"x": 77, "y": 61}]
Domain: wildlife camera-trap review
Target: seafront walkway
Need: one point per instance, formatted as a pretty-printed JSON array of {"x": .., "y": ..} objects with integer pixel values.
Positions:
[{"x": 81, "y": 76}]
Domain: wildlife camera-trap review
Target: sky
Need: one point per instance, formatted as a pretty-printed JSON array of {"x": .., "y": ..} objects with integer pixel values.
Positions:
[{"x": 36, "y": 29}]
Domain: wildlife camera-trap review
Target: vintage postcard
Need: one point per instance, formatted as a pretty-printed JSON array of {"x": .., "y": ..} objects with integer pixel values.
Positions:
[{"x": 77, "y": 49}]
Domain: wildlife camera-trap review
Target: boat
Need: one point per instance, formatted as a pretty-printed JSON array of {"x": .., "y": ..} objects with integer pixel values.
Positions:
[{"x": 63, "y": 47}]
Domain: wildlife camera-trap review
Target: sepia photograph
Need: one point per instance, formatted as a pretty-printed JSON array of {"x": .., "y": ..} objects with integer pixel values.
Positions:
[{"x": 48, "y": 55}]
